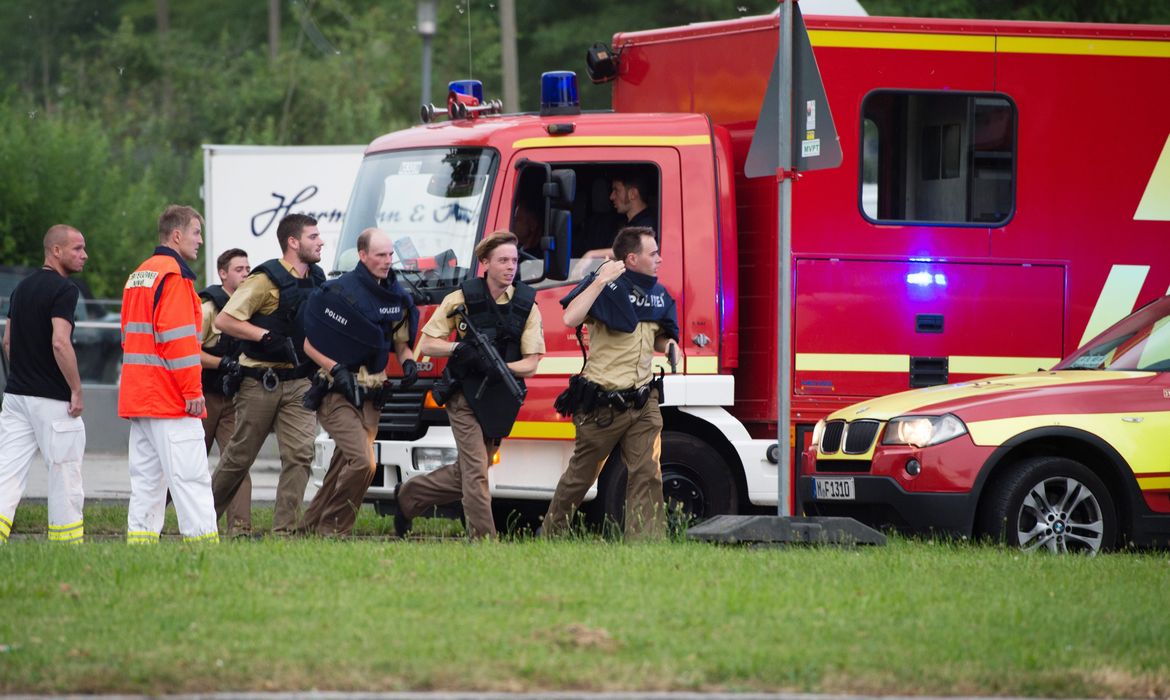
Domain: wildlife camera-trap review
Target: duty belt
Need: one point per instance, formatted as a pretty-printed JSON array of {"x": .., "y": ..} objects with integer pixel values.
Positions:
[{"x": 270, "y": 377}]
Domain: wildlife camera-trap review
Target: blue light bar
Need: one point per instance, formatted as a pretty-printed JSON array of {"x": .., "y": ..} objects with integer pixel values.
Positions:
[
  {"x": 472, "y": 88},
  {"x": 558, "y": 93}
]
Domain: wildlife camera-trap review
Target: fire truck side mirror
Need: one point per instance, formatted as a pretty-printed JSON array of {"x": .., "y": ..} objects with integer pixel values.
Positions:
[
  {"x": 562, "y": 188},
  {"x": 600, "y": 64}
]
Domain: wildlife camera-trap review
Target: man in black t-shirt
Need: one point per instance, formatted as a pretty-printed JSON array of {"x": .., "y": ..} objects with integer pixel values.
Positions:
[{"x": 43, "y": 402}]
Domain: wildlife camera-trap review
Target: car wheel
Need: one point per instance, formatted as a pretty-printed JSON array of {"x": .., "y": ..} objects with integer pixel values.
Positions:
[
  {"x": 696, "y": 482},
  {"x": 1051, "y": 503}
]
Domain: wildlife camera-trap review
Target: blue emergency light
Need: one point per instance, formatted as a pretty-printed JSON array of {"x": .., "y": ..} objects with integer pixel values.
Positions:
[
  {"x": 471, "y": 88},
  {"x": 558, "y": 93}
]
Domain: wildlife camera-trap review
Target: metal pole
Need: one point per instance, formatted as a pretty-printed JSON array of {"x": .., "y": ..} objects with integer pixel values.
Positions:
[
  {"x": 784, "y": 292},
  {"x": 426, "y": 70},
  {"x": 509, "y": 66}
]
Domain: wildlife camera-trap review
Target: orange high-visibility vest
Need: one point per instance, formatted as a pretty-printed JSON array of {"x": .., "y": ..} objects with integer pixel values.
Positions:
[{"x": 161, "y": 323}]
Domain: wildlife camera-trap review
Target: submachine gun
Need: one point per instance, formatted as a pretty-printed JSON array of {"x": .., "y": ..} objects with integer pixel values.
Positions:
[{"x": 487, "y": 351}]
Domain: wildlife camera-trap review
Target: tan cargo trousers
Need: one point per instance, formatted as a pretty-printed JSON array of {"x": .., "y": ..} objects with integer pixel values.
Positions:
[
  {"x": 351, "y": 470},
  {"x": 639, "y": 432},
  {"x": 259, "y": 411},
  {"x": 465, "y": 480}
]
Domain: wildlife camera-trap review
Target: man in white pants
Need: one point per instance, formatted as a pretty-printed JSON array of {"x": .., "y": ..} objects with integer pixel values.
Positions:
[
  {"x": 43, "y": 402},
  {"x": 162, "y": 388}
]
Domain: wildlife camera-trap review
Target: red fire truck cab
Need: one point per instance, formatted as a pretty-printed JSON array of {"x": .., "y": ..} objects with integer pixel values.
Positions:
[{"x": 1005, "y": 193}]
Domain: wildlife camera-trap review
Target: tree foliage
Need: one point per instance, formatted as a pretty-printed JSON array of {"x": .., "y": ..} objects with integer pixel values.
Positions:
[{"x": 105, "y": 114}]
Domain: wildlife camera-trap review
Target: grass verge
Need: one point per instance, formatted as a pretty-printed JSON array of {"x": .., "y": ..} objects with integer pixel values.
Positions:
[{"x": 372, "y": 614}]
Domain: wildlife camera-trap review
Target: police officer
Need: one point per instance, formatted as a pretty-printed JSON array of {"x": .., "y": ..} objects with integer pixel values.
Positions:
[
  {"x": 351, "y": 325},
  {"x": 507, "y": 314},
  {"x": 220, "y": 357},
  {"x": 264, "y": 315},
  {"x": 630, "y": 316}
]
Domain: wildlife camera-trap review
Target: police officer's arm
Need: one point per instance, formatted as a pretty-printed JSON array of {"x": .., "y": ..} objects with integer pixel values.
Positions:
[
  {"x": 577, "y": 309},
  {"x": 526, "y": 365},
  {"x": 206, "y": 359},
  {"x": 402, "y": 349},
  {"x": 244, "y": 330},
  {"x": 433, "y": 338},
  {"x": 662, "y": 344},
  {"x": 66, "y": 360}
]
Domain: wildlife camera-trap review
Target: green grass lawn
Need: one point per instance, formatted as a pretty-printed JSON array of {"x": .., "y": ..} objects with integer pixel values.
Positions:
[{"x": 378, "y": 614}]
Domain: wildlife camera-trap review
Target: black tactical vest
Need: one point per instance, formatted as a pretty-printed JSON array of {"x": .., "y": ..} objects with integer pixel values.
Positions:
[{"x": 286, "y": 319}]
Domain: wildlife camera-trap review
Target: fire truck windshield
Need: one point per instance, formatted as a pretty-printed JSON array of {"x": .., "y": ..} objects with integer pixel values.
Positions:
[{"x": 432, "y": 203}]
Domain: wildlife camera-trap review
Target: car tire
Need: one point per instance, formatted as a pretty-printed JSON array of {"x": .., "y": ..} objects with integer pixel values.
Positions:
[{"x": 1050, "y": 503}]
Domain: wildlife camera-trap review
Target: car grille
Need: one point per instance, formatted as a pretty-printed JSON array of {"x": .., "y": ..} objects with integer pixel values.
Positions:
[
  {"x": 831, "y": 438},
  {"x": 858, "y": 436}
]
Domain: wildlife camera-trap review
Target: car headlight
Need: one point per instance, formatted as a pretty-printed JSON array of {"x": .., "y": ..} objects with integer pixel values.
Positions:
[
  {"x": 922, "y": 431},
  {"x": 430, "y": 458},
  {"x": 817, "y": 432}
]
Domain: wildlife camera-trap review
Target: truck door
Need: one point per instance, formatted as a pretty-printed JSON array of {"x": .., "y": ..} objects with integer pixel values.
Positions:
[{"x": 591, "y": 219}]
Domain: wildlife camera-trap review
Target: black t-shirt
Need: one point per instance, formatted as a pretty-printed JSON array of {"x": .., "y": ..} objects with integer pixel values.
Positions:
[
  {"x": 646, "y": 218},
  {"x": 33, "y": 369}
]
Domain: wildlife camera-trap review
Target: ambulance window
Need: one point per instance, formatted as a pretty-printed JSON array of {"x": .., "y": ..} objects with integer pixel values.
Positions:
[{"x": 938, "y": 157}]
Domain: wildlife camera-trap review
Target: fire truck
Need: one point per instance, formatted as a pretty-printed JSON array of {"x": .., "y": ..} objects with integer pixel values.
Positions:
[{"x": 1004, "y": 194}]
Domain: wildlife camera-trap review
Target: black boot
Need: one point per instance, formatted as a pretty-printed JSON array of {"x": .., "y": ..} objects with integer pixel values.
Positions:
[{"x": 401, "y": 522}]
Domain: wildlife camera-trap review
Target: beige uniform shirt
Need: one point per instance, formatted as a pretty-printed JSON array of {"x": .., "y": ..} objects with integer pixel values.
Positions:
[
  {"x": 620, "y": 360},
  {"x": 210, "y": 335},
  {"x": 531, "y": 338},
  {"x": 257, "y": 295}
]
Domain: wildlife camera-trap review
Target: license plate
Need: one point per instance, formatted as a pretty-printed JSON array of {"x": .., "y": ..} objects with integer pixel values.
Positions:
[{"x": 840, "y": 489}]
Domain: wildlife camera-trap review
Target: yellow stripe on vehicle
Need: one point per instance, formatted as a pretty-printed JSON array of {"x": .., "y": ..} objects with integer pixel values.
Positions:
[
  {"x": 962, "y": 364},
  {"x": 1081, "y": 46},
  {"x": 901, "y": 40},
  {"x": 1154, "y": 483},
  {"x": 1134, "y": 435},
  {"x": 708, "y": 364},
  {"x": 989, "y": 43},
  {"x": 549, "y": 430},
  {"x": 1117, "y": 298},
  {"x": 559, "y": 365},
  {"x": 958, "y": 364},
  {"x": 848, "y": 362},
  {"x": 562, "y": 141}
]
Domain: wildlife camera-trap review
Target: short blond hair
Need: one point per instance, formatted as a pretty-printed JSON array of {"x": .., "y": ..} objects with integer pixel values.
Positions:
[
  {"x": 483, "y": 251},
  {"x": 175, "y": 216}
]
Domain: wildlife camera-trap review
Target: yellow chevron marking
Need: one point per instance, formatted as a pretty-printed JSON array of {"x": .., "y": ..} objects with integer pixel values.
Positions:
[
  {"x": 696, "y": 140},
  {"x": 1155, "y": 204},
  {"x": 554, "y": 430},
  {"x": 1117, "y": 299}
]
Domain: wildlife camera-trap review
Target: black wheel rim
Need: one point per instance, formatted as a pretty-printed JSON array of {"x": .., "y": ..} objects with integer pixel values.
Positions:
[{"x": 683, "y": 493}]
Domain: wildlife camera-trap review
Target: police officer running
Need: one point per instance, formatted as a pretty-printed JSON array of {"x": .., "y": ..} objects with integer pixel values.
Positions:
[
  {"x": 351, "y": 325},
  {"x": 507, "y": 315},
  {"x": 613, "y": 402},
  {"x": 219, "y": 357},
  {"x": 264, "y": 315}
]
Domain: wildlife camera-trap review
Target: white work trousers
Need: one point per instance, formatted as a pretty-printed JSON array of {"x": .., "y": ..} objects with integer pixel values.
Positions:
[
  {"x": 29, "y": 424},
  {"x": 169, "y": 453}
]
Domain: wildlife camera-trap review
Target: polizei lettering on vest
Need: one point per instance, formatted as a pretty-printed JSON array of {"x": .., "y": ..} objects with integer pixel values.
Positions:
[
  {"x": 336, "y": 316},
  {"x": 387, "y": 310},
  {"x": 655, "y": 300}
]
